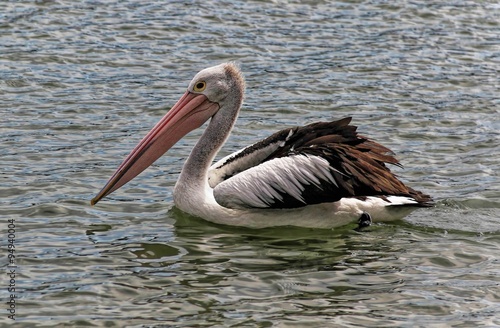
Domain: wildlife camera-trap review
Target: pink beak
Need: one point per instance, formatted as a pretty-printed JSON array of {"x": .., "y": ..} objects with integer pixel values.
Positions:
[{"x": 189, "y": 113}]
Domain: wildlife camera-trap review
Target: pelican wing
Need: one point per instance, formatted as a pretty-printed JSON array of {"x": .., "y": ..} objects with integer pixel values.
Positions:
[{"x": 321, "y": 162}]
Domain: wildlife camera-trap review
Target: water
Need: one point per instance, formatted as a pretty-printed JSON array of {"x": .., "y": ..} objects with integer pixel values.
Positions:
[{"x": 82, "y": 82}]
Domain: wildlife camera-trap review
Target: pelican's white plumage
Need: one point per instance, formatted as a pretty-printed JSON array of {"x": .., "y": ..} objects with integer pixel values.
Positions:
[
  {"x": 261, "y": 186},
  {"x": 321, "y": 175}
]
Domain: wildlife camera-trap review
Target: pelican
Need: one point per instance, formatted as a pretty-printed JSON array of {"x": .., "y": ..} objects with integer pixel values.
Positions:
[{"x": 322, "y": 175}]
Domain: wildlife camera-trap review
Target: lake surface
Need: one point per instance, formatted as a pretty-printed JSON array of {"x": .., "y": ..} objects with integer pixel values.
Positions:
[{"x": 82, "y": 81}]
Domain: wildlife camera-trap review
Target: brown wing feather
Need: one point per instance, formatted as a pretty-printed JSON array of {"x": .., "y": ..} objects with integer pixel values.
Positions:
[{"x": 359, "y": 164}]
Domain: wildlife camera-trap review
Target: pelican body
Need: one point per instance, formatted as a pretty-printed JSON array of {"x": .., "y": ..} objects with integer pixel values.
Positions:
[{"x": 322, "y": 175}]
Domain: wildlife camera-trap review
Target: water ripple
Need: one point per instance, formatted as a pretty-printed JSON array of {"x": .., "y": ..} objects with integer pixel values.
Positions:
[{"x": 81, "y": 82}]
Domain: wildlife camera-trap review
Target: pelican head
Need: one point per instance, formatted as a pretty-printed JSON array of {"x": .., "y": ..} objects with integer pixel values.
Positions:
[{"x": 207, "y": 93}]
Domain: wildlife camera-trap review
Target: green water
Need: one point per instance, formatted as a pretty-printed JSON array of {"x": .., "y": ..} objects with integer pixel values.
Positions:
[{"x": 82, "y": 82}]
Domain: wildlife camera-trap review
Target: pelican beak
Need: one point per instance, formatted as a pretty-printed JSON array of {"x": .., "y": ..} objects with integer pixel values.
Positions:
[{"x": 189, "y": 113}]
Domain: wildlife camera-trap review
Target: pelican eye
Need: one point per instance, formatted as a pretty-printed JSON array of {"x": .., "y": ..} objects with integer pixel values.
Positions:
[{"x": 200, "y": 86}]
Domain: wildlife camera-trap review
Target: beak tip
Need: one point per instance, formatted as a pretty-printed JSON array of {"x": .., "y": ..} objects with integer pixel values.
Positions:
[{"x": 93, "y": 201}]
